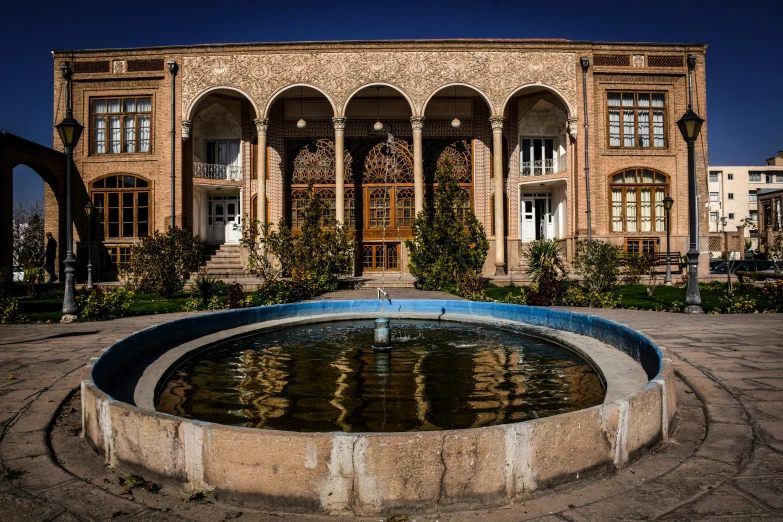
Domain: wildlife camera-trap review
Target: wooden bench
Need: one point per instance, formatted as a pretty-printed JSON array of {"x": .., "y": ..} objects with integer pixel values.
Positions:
[{"x": 659, "y": 261}]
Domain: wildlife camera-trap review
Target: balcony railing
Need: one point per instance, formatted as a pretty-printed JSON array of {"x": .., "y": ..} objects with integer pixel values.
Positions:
[
  {"x": 212, "y": 171},
  {"x": 547, "y": 166}
]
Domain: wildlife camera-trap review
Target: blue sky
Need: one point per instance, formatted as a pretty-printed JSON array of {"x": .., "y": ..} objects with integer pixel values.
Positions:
[{"x": 744, "y": 72}]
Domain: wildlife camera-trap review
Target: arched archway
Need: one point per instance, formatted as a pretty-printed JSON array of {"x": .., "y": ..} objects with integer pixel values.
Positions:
[
  {"x": 49, "y": 164},
  {"x": 302, "y": 91},
  {"x": 220, "y": 161},
  {"x": 386, "y": 91}
]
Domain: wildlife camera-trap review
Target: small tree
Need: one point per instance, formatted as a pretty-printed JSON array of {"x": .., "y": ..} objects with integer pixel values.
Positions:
[
  {"x": 162, "y": 263},
  {"x": 599, "y": 265},
  {"x": 444, "y": 249},
  {"x": 28, "y": 233},
  {"x": 322, "y": 248},
  {"x": 775, "y": 251}
]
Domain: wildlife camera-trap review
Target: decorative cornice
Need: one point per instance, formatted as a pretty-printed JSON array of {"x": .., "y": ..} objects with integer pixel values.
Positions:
[{"x": 497, "y": 75}]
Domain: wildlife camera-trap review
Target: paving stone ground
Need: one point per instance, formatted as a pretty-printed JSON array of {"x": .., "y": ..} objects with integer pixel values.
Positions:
[{"x": 723, "y": 462}]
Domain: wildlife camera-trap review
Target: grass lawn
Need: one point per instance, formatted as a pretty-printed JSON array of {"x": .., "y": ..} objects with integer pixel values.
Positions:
[
  {"x": 48, "y": 306},
  {"x": 635, "y": 296}
]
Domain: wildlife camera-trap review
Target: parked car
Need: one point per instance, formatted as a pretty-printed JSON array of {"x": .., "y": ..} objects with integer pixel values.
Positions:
[
  {"x": 18, "y": 274},
  {"x": 715, "y": 262},
  {"x": 744, "y": 265}
]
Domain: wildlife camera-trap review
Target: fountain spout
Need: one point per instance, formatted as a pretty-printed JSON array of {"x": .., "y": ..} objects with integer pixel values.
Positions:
[
  {"x": 382, "y": 337},
  {"x": 384, "y": 293}
]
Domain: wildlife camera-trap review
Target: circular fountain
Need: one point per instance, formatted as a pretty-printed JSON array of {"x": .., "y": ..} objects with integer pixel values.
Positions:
[{"x": 263, "y": 410}]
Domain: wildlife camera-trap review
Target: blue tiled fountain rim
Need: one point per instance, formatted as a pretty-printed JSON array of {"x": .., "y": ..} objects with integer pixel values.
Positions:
[{"x": 128, "y": 357}]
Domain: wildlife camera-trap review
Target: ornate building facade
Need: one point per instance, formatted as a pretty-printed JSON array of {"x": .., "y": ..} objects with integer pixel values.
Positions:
[{"x": 207, "y": 136}]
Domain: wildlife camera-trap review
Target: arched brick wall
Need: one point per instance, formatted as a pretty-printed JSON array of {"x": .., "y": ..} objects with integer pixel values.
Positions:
[{"x": 50, "y": 165}]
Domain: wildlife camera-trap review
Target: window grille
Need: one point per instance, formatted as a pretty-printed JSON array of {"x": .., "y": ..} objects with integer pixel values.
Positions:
[{"x": 612, "y": 60}]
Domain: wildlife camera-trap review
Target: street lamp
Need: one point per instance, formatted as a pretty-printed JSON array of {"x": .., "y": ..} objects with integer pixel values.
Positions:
[
  {"x": 668, "y": 203},
  {"x": 88, "y": 208},
  {"x": 690, "y": 125},
  {"x": 70, "y": 131}
]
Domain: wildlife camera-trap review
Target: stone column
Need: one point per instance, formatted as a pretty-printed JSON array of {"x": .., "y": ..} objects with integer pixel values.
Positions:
[
  {"x": 262, "y": 124},
  {"x": 418, "y": 170},
  {"x": 497, "y": 169},
  {"x": 339, "y": 167}
]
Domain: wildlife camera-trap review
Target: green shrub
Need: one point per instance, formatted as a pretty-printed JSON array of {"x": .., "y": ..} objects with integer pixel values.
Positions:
[
  {"x": 280, "y": 291},
  {"x": 9, "y": 311},
  {"x": 444, "y": 248},
  {"x": 599, "y": 265},
  {"x": 32, "y": 275},
  {"x": 577, "y": 296},
  {"x": 192, "y": 304},
  {"x": 773, "y": 292},
  {"x": 162, "y": 262},
  {"x": 216, "y": 303},
  {"x": 737, "y": 304},
  {"x": 471, "y": 285},
  {"x": 102, "y": 305},
  {"x": 520, "y": 299},
  {"x": 636, "y": 266}
]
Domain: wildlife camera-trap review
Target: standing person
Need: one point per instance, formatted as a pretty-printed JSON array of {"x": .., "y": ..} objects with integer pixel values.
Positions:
[{"x": 49, "y": 255}]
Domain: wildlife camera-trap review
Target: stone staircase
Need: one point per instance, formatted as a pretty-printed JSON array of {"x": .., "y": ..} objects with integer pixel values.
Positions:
[{"x": 225, "y": 262}]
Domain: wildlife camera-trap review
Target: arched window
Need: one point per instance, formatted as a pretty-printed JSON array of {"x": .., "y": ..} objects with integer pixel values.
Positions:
[
  {"x": 297, "y": 208},
  {"x": 636, "y": 197},
  {"x": 405, "y": 201},
  {"x": 380, "y": 208},
  {"x": 349, "y": 217},
  {"x": 122, "y": 204},
  {"x": 330, "y": 212}
]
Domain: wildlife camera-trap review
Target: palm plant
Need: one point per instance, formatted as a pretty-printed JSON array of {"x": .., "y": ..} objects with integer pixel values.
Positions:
[
  {"x": 543, "y": 260},
  {"x": 205, "y": 287}
]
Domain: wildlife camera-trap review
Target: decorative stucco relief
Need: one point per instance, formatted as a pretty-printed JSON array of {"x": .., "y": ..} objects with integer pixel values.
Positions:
[{"x": 417, "y": 74}]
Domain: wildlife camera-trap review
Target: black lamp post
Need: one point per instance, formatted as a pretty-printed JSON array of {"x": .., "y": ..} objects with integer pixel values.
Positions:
[
  {"x": 668, "y": 203},
  {"x": 690, "y": 125},
  {"x": 88, "y": 208},
  {"x": 70, "y": 131}
]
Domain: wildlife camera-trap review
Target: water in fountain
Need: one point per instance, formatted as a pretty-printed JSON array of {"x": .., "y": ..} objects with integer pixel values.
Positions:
[{"x": 329, "y": 378}]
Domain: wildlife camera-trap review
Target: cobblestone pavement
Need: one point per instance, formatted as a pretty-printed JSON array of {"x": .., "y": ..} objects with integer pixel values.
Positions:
[{"x": 724, "y": 462}]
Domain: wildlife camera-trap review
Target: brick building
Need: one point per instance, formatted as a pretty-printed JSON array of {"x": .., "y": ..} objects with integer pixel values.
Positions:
[{"x": 205, "y": 136}]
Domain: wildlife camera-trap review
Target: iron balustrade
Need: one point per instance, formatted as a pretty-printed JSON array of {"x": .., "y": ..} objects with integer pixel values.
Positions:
[
  {"x": 547, "y": 166},
  {"x": 213, "y": 171}
]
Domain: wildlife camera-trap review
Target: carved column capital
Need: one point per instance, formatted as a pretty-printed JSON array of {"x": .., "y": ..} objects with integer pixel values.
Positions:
[
  {"x": 186, "y": 124},
  {"x": 339, "y": 125},
  {"x": 497, "y": 124},
  {"x": 572, "y": 124},
  {"x": 262, "y": 124},
  {"x": 417, "y": 122}
]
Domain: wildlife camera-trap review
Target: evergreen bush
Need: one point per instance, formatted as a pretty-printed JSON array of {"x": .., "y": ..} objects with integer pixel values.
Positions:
[{"x": 444, "y": 248}]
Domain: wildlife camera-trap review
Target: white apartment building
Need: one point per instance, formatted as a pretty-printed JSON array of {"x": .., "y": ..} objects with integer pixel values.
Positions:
[{"x": 733, "y": 193}]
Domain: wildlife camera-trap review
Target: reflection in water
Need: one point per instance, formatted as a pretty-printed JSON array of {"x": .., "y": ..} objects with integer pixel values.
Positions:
[{"x": 437, "y": 376}]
